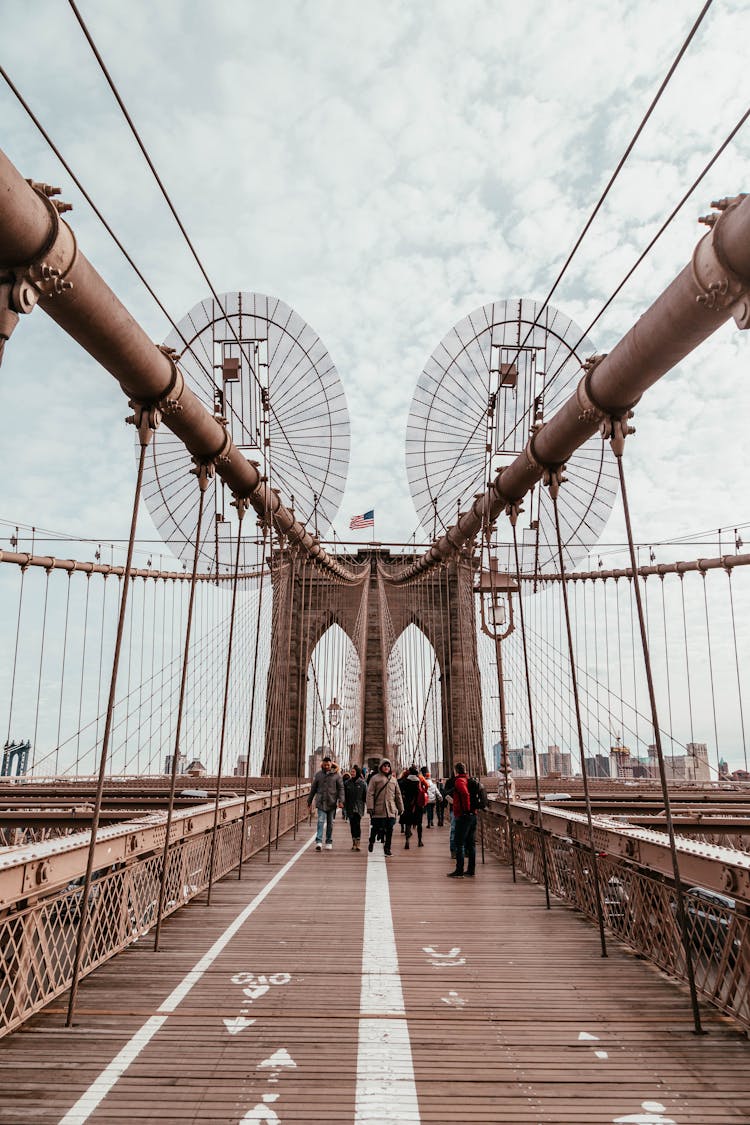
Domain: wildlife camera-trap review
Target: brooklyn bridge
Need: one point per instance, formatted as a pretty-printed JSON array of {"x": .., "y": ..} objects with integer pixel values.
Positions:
[{"x": 177, "y": 941}]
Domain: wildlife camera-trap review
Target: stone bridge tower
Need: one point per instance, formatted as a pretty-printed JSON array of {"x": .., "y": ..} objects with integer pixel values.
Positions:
[{"x": 307, "y": 602}]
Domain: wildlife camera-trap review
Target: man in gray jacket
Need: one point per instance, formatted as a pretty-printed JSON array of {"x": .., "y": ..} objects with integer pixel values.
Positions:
[{"x": 327, "y": 790}]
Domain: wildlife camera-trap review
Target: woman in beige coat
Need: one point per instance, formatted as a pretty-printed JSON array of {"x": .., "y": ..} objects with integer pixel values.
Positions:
[{"x": 384, "y": 804}]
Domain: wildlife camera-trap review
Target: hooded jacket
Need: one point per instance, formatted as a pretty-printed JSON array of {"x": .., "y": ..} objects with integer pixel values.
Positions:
[{"x": 384, "y": 796}]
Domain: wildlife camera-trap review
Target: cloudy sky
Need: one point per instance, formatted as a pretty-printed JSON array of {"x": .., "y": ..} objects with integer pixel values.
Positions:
[{"x": 384, "y": 169}]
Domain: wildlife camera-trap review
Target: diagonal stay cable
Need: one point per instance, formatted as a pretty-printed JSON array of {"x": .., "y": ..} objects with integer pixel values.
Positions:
[
  {"x": 608, "y": 187},
  {"x": 152, "y": 167}
]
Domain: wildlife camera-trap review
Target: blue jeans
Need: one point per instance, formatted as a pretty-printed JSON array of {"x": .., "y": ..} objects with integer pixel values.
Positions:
[
  {"x": 453, "y": 833},
  {"x": 325, "y": 817},
  {"x": 466, "y": 831}
]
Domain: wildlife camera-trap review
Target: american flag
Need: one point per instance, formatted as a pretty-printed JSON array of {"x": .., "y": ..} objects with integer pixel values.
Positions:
[{"x": 366, "y": 520}]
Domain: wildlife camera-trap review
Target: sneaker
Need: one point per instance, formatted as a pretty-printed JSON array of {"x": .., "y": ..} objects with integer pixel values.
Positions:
[
  {"x": 421, "y": 844},
  {"x": 318, "y": 847},
  {"x": 406, "y": 846},
  {"x": 387, "y": 852},
  {"x": 329, "y": 847},
  {"x": 370, "y": 846},
  {"x": 455, "y": 874},
  {"x": 468, "y": 874}
]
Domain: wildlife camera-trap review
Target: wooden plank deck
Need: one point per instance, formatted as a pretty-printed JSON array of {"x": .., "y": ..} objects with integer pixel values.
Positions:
[{"x": 512, "y": 1015}]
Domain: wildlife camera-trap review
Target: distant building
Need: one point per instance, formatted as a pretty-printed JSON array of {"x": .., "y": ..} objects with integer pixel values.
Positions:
[
  {"x": 241, "y": 767},
  {"x": 691, "y": 766},
  {"x": 314, "y": 760},
  {"x": 555, "y": 763},
  {"x": 181, "y": 762},
  {"x": 723, "y": 768},
  {"x": 697, "y": 755},
  {"x": 598, "y": 766},
  {"x": 196, "y": 769},
  {"x": 520, "y": 760},
  {"x": 621, "y": 763}
]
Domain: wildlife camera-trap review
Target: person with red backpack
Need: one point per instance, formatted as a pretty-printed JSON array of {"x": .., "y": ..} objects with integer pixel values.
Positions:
[{"x": 466, "y": 826}]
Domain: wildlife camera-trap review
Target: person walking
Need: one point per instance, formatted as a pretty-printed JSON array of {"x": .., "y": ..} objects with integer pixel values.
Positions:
[
  {"x": 466, "y": 826},
  {"x": 414, "y": 791},
  {"x": 327, "y": 790},
  {"x": 355, "y": 796},
  {"x": 448, "y": 798},
  {"x": 384, "y": 803},
  {"x": 433, "y": 798},
  {"x": 441, "y": 802}
]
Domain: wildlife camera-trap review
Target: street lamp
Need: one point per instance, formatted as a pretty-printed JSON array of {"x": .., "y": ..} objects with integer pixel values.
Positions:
[
  {"x": 334, "y": 718},
  {"x": 495, "y": 590}
]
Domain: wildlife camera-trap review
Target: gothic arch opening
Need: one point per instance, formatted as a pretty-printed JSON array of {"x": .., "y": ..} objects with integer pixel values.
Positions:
[
  {"x": 414, "y": 697},
  {"x": 334, "y": 700}
]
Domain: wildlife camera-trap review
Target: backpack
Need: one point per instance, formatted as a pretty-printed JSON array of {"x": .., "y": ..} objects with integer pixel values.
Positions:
[{"x": 477, "y": 794}]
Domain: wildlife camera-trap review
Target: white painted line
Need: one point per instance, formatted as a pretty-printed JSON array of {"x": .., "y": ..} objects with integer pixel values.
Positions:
[
  {"x": 101, "y": 1086},
  {"x": 386, "y": 1089}
]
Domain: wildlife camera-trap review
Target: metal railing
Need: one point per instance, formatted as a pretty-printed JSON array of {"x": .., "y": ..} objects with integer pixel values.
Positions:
[
  {"x": 41, "y": 890},
  {"x": 639, "y": 901}
]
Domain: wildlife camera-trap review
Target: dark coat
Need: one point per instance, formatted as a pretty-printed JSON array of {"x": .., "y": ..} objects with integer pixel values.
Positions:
[
  {"x": 410, "y": 787},
  {"x": 355, "y": 795}
]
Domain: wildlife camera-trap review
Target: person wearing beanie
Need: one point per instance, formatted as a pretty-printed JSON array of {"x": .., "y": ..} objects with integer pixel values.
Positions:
[
  {"x": 384, "y": 803},
  {"x": 327, "y": 790}
]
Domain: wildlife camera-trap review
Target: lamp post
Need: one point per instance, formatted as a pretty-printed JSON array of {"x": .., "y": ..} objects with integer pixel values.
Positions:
[
  {"x": 496, "y": 613},
  {"x": 334, "y": 718},
  {"x": 495, "y": 591}
]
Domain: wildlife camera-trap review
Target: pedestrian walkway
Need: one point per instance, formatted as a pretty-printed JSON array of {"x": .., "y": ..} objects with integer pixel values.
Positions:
[{"x": 343, "y": 987}]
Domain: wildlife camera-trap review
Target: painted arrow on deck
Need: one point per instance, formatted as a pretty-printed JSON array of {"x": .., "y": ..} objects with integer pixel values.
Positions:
[{"x": 234, "y": 1027}]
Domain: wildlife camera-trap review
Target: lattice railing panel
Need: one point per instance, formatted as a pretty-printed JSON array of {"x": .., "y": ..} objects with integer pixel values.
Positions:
[
  {"x": 640, "y": 909},
  {"x": 37, "y": 943}
]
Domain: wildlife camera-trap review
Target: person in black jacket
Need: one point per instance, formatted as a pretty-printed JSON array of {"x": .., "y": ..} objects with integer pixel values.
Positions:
[
  {"x": 355, "y": 795},
  {"x": 412, "y": 788}
]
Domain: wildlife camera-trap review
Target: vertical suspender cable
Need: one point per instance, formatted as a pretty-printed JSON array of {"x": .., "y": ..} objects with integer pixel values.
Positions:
[
  {"x": 241, "y": 505},
  {"x": 554, "y": 482},
  {"x": 203, "y": 477},
  {"x": 737, "y": 666},
  {"x": 41, "y": 666},
  {"x": 253, "y": 697},
  {"x": 710, "y": 673},
  {"x": 666, "y": 668},
  {"x": 146, "y": 425},
  {"x": 513, "y": 515},
  {"x": 62, "y": 676},
  {"x": 687, "y": 657},
  {"x": 15, "y": 652},
  {"x": 681, "y": 913}
]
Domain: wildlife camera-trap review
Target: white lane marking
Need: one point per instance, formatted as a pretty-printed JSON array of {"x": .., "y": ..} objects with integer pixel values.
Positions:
[
  {"x": 451, "y": 952},
  {"x": 384, "y": 1046},
  {"x": 262, "y": 1112},
  {"x": 234, "y": 1027},
  {"x": 279, "y": 1059},
  {"x": 652, "y": 1116},
  {"x": 454, "y": 1000},
  {"x": 601, "y": 1054},
  {"x": 101, "y": 1086},
  {"x": 585, "y": 1037}
]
